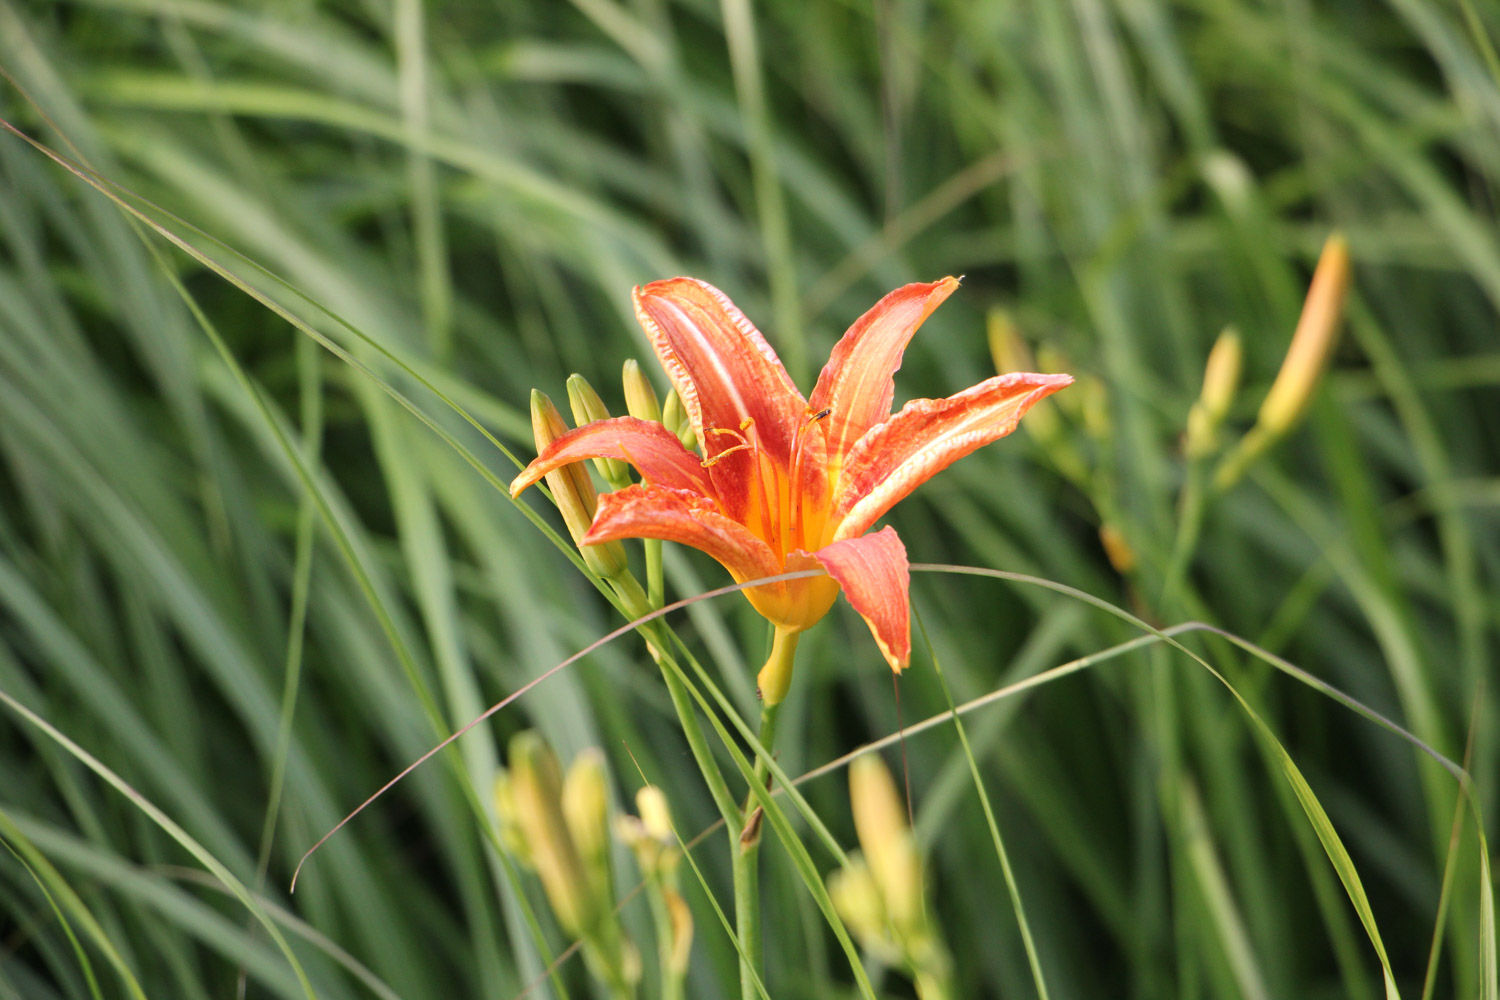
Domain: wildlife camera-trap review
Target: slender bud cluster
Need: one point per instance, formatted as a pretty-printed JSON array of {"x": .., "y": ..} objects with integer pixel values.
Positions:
[
  {"x": 880, "y": 894},
  {"x": 1302, "y": 369},
  {"x": 559, "y": 827},
  {"x": 653, "y": 841}
]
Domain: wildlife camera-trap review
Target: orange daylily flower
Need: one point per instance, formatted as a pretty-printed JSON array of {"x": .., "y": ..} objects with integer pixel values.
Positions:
[{"x": 787, "y": 483}]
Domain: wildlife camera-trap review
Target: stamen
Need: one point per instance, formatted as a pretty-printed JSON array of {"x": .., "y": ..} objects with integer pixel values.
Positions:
[
  {"x": 796, "y": 485},
  {"x": 744, "y": 445}
]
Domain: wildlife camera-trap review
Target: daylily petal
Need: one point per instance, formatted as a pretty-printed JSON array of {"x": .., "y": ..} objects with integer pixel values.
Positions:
[
  {"x": 686, "y": 517},
  {"x": 855, "y": 386},
  {"x": 730, "y": 380},
  {"x": 927, "y": 436},
  {"x": 651, "y": 448},
  {"x": 875, "y": 576}
]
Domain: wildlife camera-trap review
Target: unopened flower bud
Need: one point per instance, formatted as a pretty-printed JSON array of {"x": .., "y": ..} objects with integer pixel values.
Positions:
[
  {"x": 856, "y": 898},
  {"x": 1008, "y": 349},
  {"x": 1011, "y": 353},
  {"x": 880, "y": 821},
  {"x": 1093, "y": 400},
  {"x": 511, "y": 836},
  {"x": 1312, "y": 344},
  {"x": 1221, "y": 377},
  {"x": 1119, "y": 551},
  {"x": 640, "y": 396},
  {"x": 586, "y": 809},
  {"x": 651, "y": 803},
  {"x": 536, "y": 787},
  {"x": 674, "y": 417},
  {"x": 587, "y": 407},
  {"x": 573, "y": 491},
  {"x": 682, "y": 932}
]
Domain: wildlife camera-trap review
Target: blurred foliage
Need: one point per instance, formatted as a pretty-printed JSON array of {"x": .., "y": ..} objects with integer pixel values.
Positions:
[{"x": 457, "y": 197}]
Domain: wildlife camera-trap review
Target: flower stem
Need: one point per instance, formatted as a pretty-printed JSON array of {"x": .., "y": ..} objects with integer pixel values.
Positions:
[{"x": 745, "y": 849}]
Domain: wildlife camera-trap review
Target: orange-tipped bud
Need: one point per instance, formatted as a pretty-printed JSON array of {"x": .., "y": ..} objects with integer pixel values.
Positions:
[
  {"x": 640, "y": 395},
  {"x": 573, "y": 491},
  {"x": 1312, "y": 344}
]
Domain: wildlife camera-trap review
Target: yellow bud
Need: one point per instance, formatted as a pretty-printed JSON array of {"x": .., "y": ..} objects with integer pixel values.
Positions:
[
  {"x": 586, "y": 810},
  {"x": 587, "y": 407},
  {"x": 640, "y": 396},
  {"x": 573, "y": 491},
  {"x": 1093, "y": 399},
  {"x": 880, "y": 821},
  {"x": 511, "y": 836},
  {"x": 1009, "y": 351},
  {"x": 682, "y": 932},
  {"x": 1221, "y": 377},
  {"x": 655, "y": 814},
  {"x": 674, "y": 417},
  {"x": 856, "y": 898},
  {"x": 536, "y": 787},
  {"x": 1312, "y": 344},
  {"x": 1121, "y": 555}
]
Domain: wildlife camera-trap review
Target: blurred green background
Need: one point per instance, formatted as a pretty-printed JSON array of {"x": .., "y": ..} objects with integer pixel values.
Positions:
[{"x": 471, "y": 189}]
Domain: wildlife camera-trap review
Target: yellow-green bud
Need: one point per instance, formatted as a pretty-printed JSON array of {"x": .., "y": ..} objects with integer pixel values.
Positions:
[
  {"x": 1093, "y": 399},
  {"x": 1313, "y": 343},
  {"x": 649, "y": 835},
  {"x": 640, "y": 396},
  {"x": 511, "y": 836},
  {"x": 1221, "y": 377},
  {"x": 1010, "y": 353},
  {"x": 674, "y": 417},
  {"x": 586, "y": 809},
  {"x": 856, "y": 898},
  {"x": 880, "y": 820},
  {"x": 656, "y": 815},
  {"x": 536, "y": 787},
  {"x": 573, "y": 491},
  {"x": 682, "y": 932},
  {"x": 587, "y": 407}
]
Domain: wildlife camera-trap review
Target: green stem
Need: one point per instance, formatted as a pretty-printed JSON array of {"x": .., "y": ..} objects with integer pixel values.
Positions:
[
  {"x": 666, "y": 940},
  {"x": 635, "y": 602},
  {"x": 688, "y": 719},
  {"x": 656, "y": 590},
  {"x": 1190, "y": 509},
  {"x": 745, "y": 850}
]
